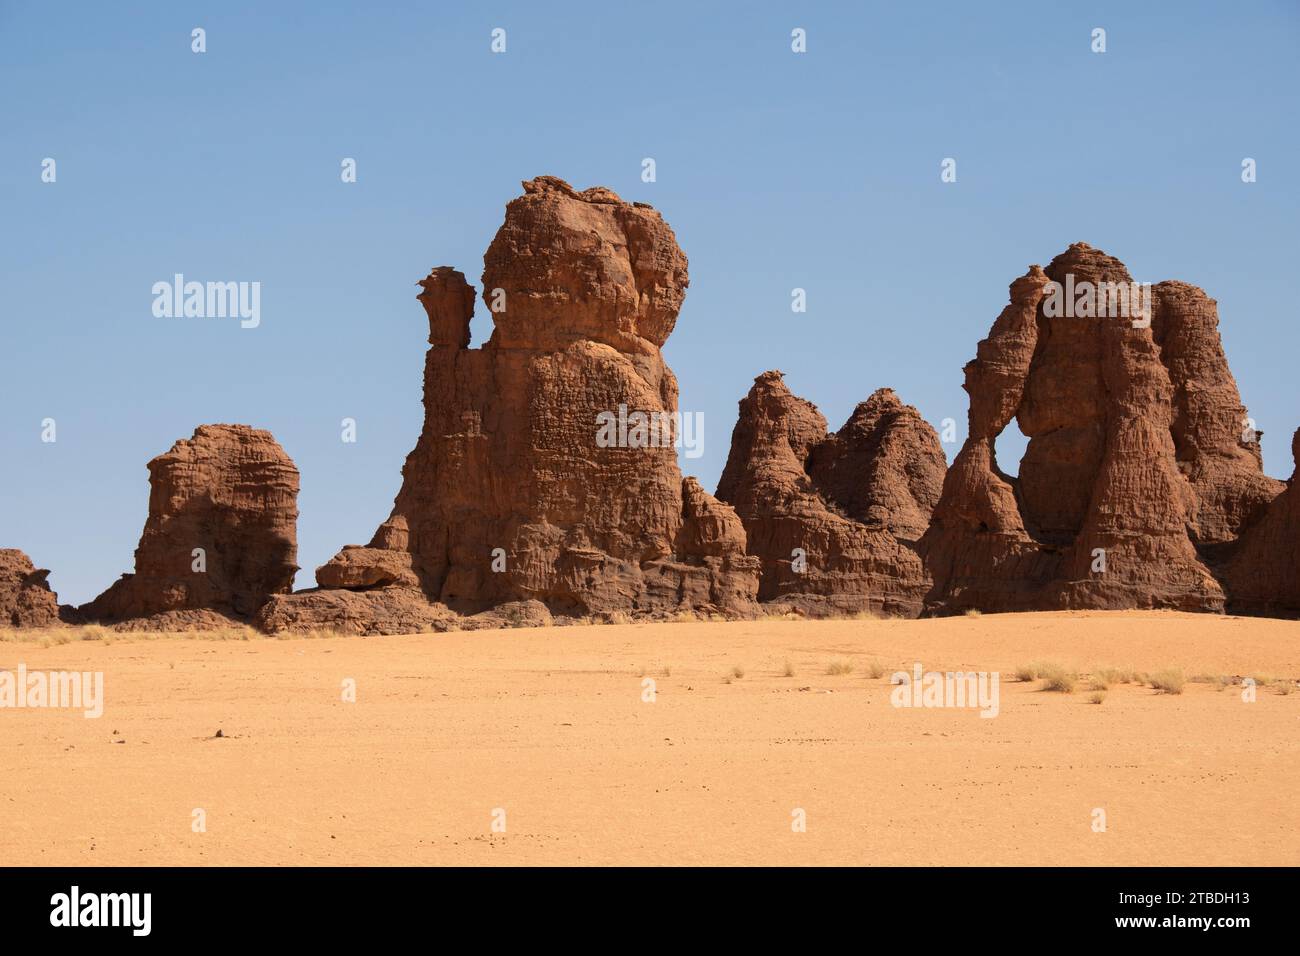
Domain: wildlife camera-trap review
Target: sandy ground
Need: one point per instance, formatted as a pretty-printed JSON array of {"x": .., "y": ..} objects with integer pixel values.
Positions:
[{"x": 550, "y": 726}]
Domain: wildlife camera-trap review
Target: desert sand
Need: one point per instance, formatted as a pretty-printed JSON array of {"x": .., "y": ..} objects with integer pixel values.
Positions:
[{"x": 550, "y": 726}]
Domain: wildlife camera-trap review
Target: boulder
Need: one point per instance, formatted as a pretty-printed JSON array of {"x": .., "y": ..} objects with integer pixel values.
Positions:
[
  {"x": 220, "y": 538},
  {"x": 25, "y": 597}
]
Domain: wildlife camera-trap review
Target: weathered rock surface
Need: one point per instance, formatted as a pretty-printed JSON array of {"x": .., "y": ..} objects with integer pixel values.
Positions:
[
  {"x": 382, "y": 610},
  {"x": 1138, "y": 470},
  {"x": 1216, "y": 446},
  {"x": 1263, "y": 576},
  {"x": 232, "y": 492},
  {"x": 25, "y": 598},
  {"x": 833, "y": 517},
  {"x": 511, "y": 493}
]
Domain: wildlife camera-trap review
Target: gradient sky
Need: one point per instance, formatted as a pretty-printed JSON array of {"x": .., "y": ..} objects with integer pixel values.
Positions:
[{"x": 776, "y": 171}]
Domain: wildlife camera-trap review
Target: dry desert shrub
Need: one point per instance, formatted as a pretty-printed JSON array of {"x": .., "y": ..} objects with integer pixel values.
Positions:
[
  {"x": 1105, "y": 678},
  {"x": 1057, "y": 679},
  {"x": 1168, "y": 681},
  {"x": 324, "y": 633},
  {"x": 1028, "y": 672},
  {"x": 788, "y": 671},
  {"x": 839, "y": 668},
  {"x": 1279, "y": 685},
  {"x": 13, "y": 635},
  {"x": 1097, "y": 697},
  {"x": 876, "y": 670}
]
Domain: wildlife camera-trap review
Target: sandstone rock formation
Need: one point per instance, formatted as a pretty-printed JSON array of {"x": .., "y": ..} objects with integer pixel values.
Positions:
[
  {"x": 544, "y": 486},
  {"x": 1140, "y": 471},
  {"x": 220, "y": 538},
  {"x": 383, "y": 610},
  {"x": 833, "y": 518},
  {"x": 514, "y": 491},
  {"x": 1263, "y": 576},
  {"x": 25, "y": 598}
]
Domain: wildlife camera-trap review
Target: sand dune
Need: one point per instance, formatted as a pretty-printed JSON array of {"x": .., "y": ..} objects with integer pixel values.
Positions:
[{"x": 550, "y": 726}]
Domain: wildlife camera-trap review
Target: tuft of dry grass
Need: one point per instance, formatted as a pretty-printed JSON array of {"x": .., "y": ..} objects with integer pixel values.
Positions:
[
  {"x": 974, "y": 612},
  {"x": 1097, "y": 697},
  {"x": 1168, "y": 681},
  {"x": 1057, "y": 679},
  {"x": 789, "y": 670},
  {"x": 839, "y": 668},
  {"x": 876, "y": 670},
  {"x": 738, "y": 672},
  {"x": 1105, "y": 678},
  {"x": 1027, "y": 672},
  {"x": 1283, "y": 686}
]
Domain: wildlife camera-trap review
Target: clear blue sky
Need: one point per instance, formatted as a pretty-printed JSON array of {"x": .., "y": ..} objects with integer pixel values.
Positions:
[{"x": 776, "y": 170}]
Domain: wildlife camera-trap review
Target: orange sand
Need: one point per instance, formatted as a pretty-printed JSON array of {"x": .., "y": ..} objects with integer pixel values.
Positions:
[{"x": 549, "y": 725}]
